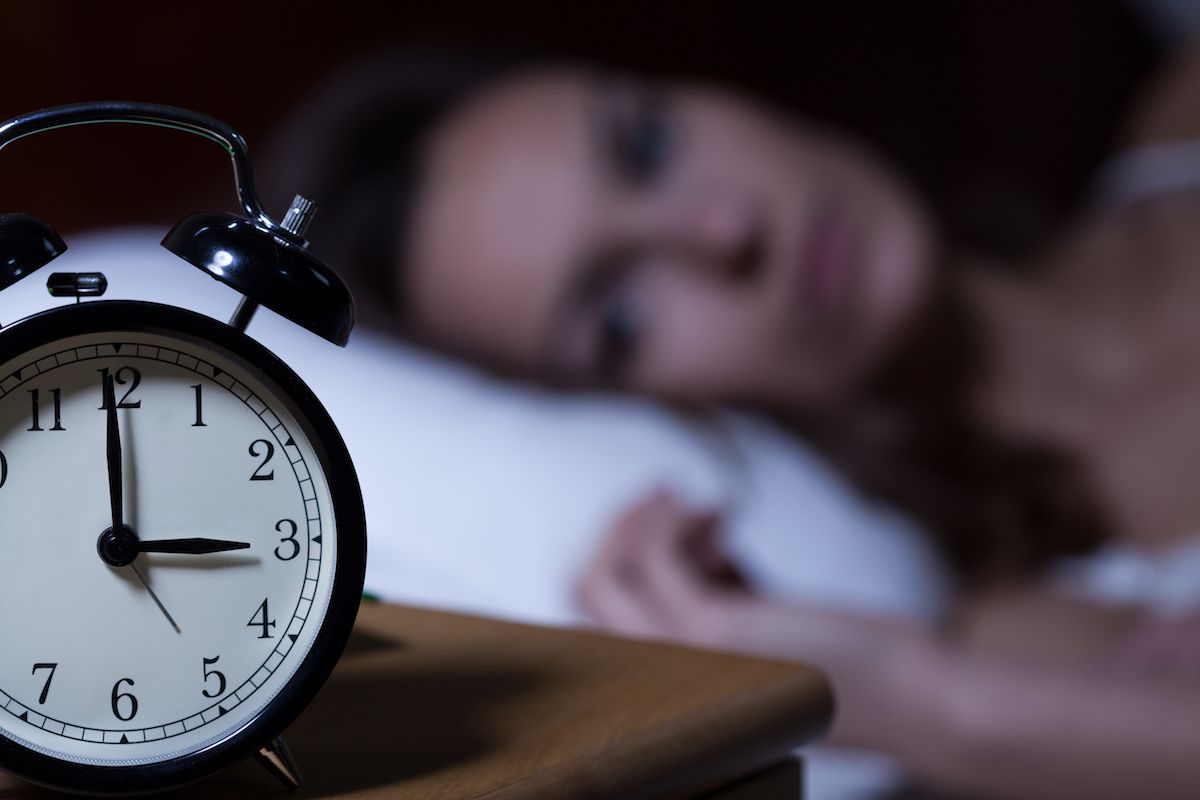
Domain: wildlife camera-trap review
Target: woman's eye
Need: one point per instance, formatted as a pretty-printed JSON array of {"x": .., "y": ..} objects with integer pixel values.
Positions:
[
  {"x": 619, "y": 323},
  {"x": 643, "y": 141}
]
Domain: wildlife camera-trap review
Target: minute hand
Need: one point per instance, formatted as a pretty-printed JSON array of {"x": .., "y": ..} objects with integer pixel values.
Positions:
[
  {"x": 191, "y": 547},
  {"x": 113, "y": 456}
]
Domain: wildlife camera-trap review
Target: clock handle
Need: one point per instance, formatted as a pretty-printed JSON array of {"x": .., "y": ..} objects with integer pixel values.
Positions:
[
  {"x": 265, "y": 261},
  {"x": 161, "y": 116}
]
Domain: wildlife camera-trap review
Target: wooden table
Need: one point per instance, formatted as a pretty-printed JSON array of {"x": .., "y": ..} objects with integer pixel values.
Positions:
[{"x": 438, "y": 706}]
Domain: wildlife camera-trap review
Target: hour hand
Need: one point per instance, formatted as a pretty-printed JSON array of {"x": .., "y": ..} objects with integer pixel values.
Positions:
[{"x": 191, "y": 547}]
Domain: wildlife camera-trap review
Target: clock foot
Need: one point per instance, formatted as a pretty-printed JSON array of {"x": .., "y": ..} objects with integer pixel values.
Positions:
[{"x": 277, "y": 760}]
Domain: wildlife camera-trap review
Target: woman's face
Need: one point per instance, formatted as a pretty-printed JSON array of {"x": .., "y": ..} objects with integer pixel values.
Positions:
[{"x": 673, "y": 239}]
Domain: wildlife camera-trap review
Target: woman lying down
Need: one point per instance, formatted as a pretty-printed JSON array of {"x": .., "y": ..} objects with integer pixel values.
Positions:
[{"x": 694, "y": 245}]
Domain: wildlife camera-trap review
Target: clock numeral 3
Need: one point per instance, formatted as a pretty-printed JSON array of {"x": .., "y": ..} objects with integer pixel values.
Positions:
[
  {"x": 3, "y": 470},
  {"x": 135, "y": 377},
  {"x": 289, "y": 539},
  {"x": 262, "y": 619},
  {"x": 118, "y": 696},
  {"x": 259, "y": 475},
  {"x": 46, "y": 687},
  {"x": 212, "y": 673},
  {"x": 57, "y": 395}
]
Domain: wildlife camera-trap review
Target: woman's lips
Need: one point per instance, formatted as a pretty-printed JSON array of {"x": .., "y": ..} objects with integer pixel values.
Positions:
[{"x": 825, "y": 262}]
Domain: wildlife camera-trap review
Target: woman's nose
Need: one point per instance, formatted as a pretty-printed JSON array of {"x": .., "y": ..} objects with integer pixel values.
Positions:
[{"x": 721, "y": 231}]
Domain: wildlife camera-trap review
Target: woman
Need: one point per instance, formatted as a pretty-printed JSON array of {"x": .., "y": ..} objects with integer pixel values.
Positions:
[{"x": 691, "y": 244}]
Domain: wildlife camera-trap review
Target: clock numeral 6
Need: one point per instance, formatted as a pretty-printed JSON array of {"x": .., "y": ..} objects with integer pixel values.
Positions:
[
  {"x": 35, "y": 398},
  {"x": 133, "y": 376},
  {"x": 262, "y": 619},
  {"x": 289, "y": 539},
  {"x": 3, "y": 470},
  {"x": 259, "y": 475},
  {"x": 212, "y": 673},
  {"x": 118, "y": 696},
  {"x": 50, "y": 677}
]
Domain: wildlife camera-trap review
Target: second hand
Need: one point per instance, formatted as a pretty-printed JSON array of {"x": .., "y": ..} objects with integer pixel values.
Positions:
[{"x": 161, "y": 607}]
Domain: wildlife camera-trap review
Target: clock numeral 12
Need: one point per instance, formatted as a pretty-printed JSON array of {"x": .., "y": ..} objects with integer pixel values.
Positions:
[
  {"x": 265, "y": 622},
  {"x": 212, "y": 673},
  {"x": 135, "y": 378},
  {"x": 118, "y": 696},
  {"x": 57, "y": 394},
  {"x": 46, "y": 687}
]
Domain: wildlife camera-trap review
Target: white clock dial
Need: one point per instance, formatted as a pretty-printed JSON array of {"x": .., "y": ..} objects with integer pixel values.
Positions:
[{"x": 95, "y": 669}]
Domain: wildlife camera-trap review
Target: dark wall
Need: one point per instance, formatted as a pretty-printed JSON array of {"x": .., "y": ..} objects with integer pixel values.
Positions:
[{"x": 972, "y": 95}]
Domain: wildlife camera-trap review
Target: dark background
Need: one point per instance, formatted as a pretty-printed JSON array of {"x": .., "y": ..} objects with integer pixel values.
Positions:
[{"x": 1001, "y": 109}]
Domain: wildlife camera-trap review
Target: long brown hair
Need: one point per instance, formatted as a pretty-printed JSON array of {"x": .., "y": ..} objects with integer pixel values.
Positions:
[
  {"x": 355, "y": 146},
  {"x": 997, "y": 508}
]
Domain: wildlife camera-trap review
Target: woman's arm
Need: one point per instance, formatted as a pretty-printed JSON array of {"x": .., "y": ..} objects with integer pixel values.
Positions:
[
  {"x": 958, "y": 715},
  {"x": 1041, "y": 627},
  {"x": 1038, "y": 733}
]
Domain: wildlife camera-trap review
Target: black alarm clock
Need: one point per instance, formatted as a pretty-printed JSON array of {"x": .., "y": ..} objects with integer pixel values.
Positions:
[{"x": 182, "y": 537}]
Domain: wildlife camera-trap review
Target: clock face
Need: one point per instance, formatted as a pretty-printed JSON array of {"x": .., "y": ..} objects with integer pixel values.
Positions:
[{"x": 226, "y": 497}]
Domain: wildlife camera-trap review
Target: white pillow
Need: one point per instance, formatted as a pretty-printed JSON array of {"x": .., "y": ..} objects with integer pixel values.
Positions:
[{"x": 488, "y": 497}]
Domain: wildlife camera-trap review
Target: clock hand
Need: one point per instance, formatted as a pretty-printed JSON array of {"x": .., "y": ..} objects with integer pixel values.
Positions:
[
  {"x": 158, "y": 602},
  {"x": 115, "y": 495},
  {"x": 193, "y": 547},
  {"x": 114, "y": 456}
]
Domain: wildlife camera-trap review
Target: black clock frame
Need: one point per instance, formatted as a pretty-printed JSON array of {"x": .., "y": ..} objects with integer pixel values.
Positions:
[{"x": 121, "y": 316}]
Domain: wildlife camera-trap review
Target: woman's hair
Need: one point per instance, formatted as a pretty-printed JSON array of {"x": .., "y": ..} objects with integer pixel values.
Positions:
[
  {"x": 355, "y": 147},
  {"x": 998, "y": 509}
]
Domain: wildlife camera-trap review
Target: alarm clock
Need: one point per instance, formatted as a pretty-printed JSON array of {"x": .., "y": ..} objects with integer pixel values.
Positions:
[{"x": 182, "y": 536}]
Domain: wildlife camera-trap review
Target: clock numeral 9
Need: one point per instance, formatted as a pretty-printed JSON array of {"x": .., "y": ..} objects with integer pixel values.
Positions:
[
  {"x": 265, "y": 622},
  {"x": 3, "y": 470},
  {"x": 259, "y": 475},
  {"x": 46, "y": 687},
  {"x": 57, "y": 395},
  {"x": 212, "y": 673},
  {"x": 289, "y": 539},
  {"x": 135, "y": 377},
  {"x": 118, "y": 696}
]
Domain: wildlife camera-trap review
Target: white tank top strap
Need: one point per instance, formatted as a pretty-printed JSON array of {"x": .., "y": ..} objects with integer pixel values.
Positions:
[
  {"x": 1146, "y": 172},
  {"x": 1166, "y": 582}
]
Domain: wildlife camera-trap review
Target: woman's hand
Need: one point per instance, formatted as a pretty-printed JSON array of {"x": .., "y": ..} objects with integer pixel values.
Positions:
[{"x": 660, "y": 574}]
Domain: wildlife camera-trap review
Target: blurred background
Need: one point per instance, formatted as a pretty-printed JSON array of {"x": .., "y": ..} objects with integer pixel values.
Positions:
[
  {"x": 1001, "y": 110},
  {"x": 938, "y": 84}
]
